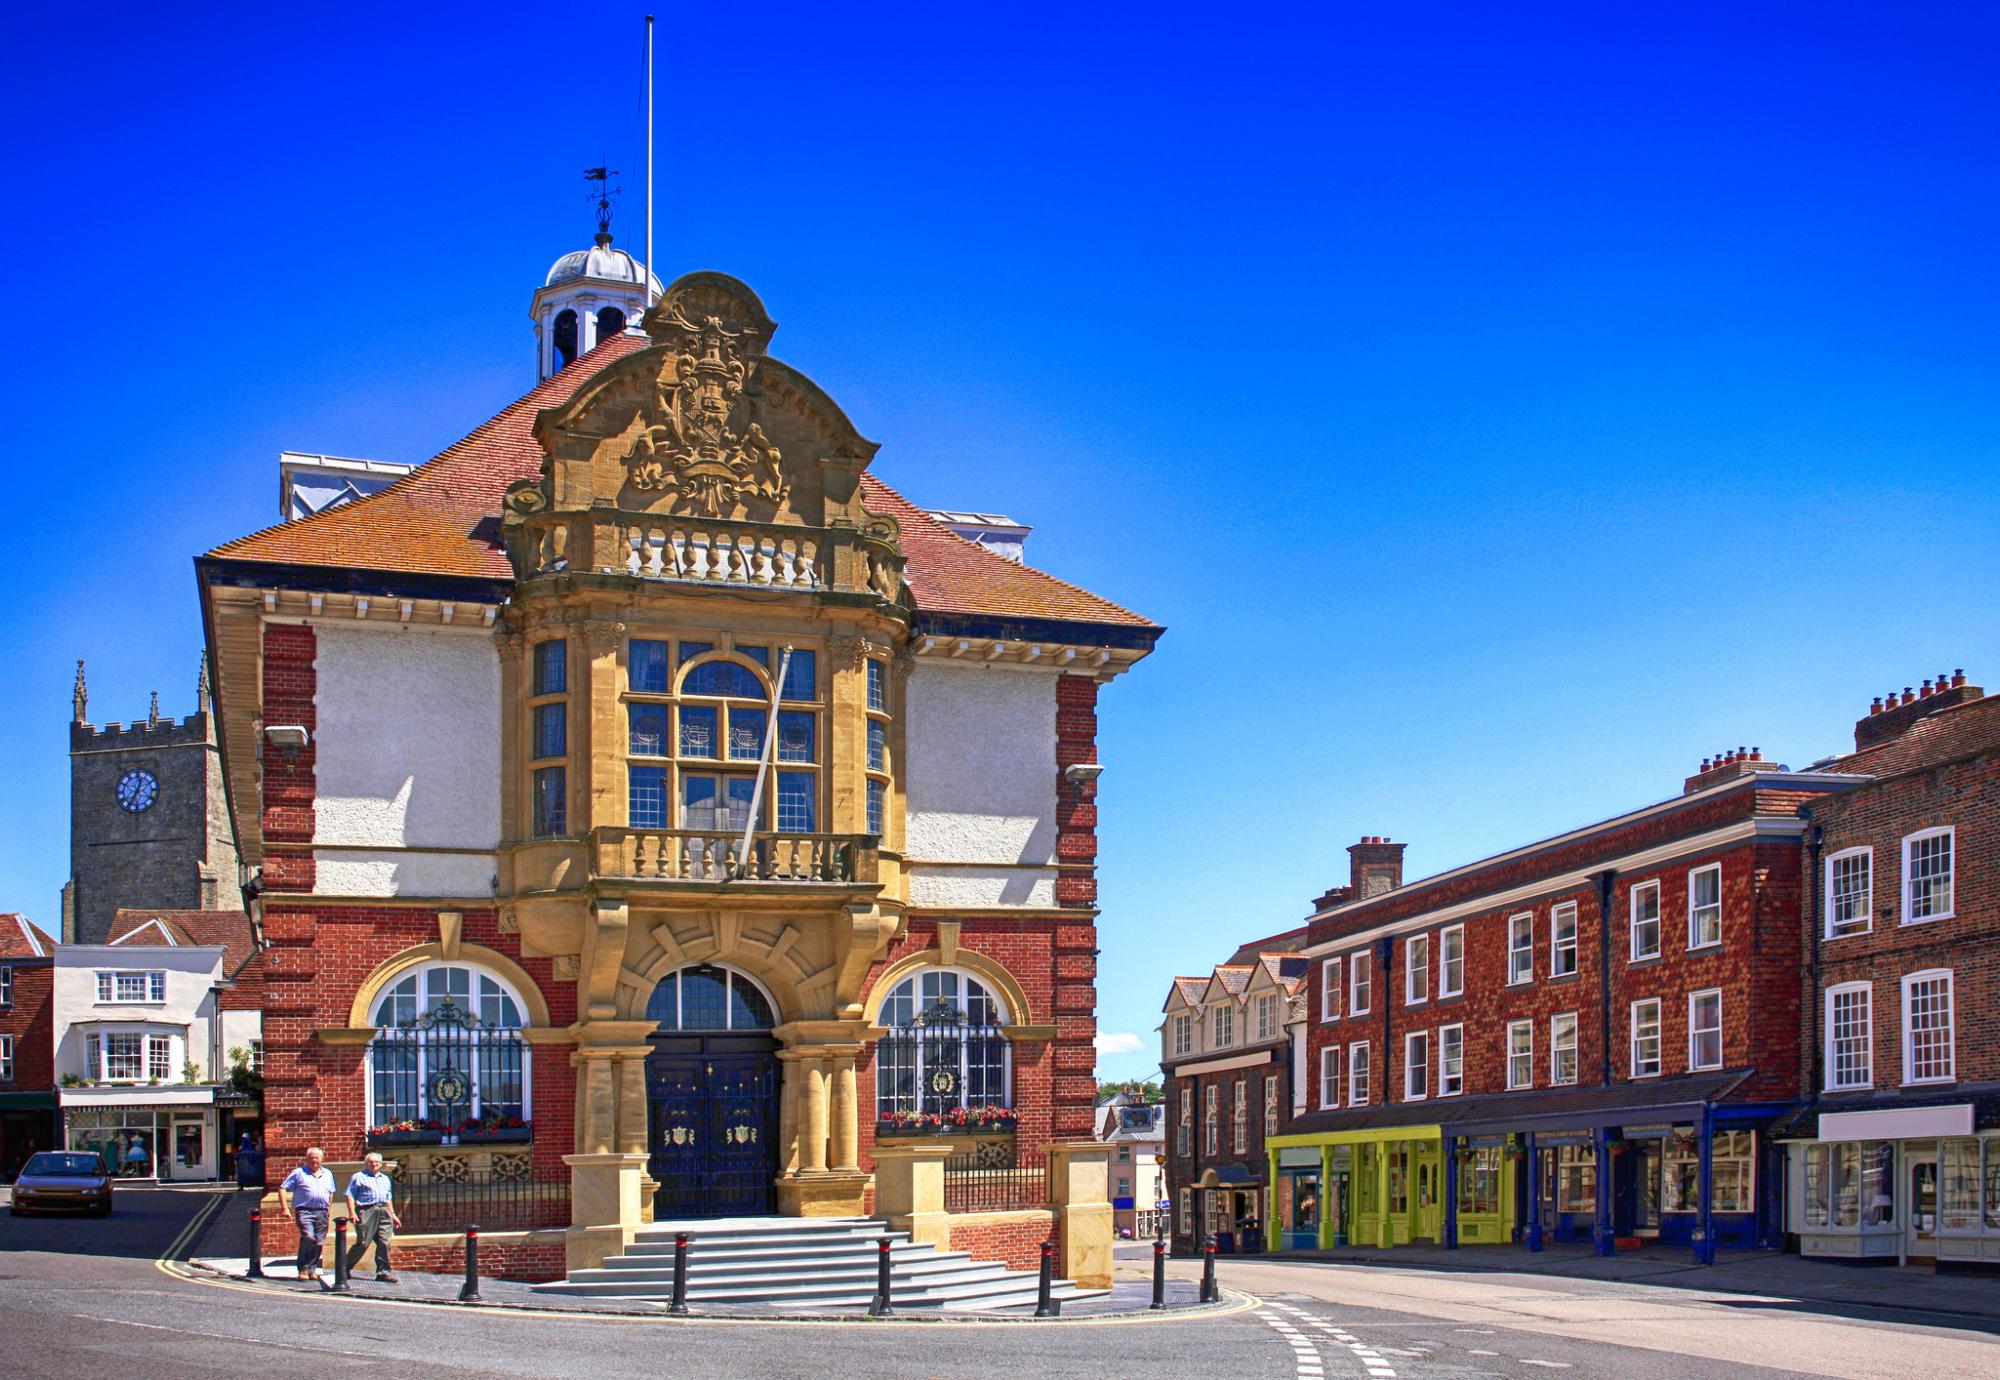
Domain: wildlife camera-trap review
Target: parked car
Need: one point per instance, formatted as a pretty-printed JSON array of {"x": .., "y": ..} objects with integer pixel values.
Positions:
[{"x": 63, "y": 1181}]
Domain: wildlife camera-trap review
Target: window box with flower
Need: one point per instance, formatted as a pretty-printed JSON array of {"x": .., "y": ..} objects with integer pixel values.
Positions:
[
  {"x": 407, "y": 1132},
  {"x": 494, "y": 1129}
]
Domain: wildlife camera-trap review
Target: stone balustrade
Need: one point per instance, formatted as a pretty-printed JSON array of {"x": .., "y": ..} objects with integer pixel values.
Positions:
[
  {"x": 712, "y": 856},
  {"x": 706, "y": 551}
]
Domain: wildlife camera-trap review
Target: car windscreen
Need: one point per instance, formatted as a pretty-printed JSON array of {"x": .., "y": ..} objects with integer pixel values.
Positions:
[{"x": 48, "y": 1163}]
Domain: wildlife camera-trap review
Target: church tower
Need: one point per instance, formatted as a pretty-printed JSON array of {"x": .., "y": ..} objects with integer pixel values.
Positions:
[
  {"x": 589, "y": 295},
  {"x": 148, "y": 825}
]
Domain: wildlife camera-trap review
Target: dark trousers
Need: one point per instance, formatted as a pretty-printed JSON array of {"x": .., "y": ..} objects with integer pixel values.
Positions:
[
  {"x": 312, "y": 1232},
  {"x": 373, "y": 1226}
]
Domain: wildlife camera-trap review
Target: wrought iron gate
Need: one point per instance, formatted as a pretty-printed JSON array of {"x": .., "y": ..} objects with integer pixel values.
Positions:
[{"x": 714, "y": 1131}]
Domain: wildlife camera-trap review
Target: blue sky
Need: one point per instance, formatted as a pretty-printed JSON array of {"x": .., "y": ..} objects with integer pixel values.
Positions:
[{"x": 1503, "y": 408}]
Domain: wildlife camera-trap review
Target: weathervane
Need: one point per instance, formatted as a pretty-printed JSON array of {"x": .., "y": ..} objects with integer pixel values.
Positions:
[{"x": 602, "y": 195}]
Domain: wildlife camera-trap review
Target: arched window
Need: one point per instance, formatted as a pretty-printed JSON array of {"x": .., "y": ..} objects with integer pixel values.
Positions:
[
  {"x": 707, "y": 997},
  {"x": 945, "y": 1060},
  {"x": 610, "y": 321},
  {"x": 447, "y": 1056},
  {"x": 565, "y": 341}
]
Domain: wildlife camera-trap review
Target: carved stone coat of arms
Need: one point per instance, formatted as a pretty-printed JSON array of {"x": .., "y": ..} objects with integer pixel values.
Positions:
[{"x": 704, "y": 450}]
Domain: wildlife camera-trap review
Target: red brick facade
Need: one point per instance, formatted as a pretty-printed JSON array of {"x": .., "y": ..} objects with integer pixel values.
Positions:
[
  {"x": 1754, "y": 965},
  {"x": 1949, "y": 779}
]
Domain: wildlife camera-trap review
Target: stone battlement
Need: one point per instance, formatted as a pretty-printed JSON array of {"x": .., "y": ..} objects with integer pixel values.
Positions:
[{"x": 140, "y": 733}]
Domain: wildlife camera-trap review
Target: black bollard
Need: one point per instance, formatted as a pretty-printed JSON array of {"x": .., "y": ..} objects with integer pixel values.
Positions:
[
  {"x": 880, "y": 1306},
  {"x": 340, "y": 1284},
  {"x": 1209, "y": 1292},
  {"x": 1159, "y": 1274},
  {"x": 256, "y": 1244},
  {"x": 679, "y": 1306},
  {"x": 1045, "y": 1306},
  {"x": 469, "y": 1291}
]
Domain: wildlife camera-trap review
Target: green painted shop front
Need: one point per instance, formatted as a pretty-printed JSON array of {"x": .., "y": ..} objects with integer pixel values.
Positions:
[{"x": 1384, "y": 1188}]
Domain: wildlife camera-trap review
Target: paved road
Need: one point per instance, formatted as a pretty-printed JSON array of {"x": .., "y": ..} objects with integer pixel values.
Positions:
[{"x": 82, "y": 1298}]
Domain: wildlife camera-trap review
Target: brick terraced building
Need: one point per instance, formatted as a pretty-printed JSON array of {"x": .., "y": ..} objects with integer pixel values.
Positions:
[
  {"x": 1228, "y": 1046},
  {"x": 653, "y": 810},
  {"x": 1900, "y": 1156},
  {"x": 28, "y": 1115}
]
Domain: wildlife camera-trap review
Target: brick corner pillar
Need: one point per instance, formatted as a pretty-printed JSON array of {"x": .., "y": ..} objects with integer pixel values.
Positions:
[
  {"x": 291, "y": 688},
  {"x": 1076, "y": 791}
]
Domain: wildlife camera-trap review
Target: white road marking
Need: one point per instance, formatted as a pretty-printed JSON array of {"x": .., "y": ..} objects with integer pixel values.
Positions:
[
  {"x": 1552, "y": 1365},
  {"x": 1371, "y": 1360},
  {"x": 1475, "y": 1351}
]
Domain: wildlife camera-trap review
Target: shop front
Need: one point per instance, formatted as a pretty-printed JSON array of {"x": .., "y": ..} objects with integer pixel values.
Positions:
[
  {"x": 27, "y": 1124},
  {"x": 169, "y": 1135},
  {"x": 1230, "y": 1201},
  {"x": 1377, "y": 1187},
  {"x": 1917, "y": 1185}
]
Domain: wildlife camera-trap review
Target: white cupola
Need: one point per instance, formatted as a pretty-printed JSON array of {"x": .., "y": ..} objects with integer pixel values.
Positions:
[{"x": 589, "y": 295}]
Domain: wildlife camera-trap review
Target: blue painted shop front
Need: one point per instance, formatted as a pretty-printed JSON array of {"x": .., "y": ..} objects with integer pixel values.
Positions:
[{"x": 1710, "y": 1182}]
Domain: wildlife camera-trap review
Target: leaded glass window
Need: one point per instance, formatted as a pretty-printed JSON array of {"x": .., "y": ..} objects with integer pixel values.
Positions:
[
  {"x": 647, "y": 725},
  {"x": 646, "y": 671},
  {"x": 707, "y": 996},
  {"x": 647, "y": 806},
  {"x": 447, "y": 1051},
  {"x": 551, "y": 729},
  {"x": 944, "y": 1053}
]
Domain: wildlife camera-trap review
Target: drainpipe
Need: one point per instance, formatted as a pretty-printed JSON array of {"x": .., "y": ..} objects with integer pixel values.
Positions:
[
  {"x": 1607, "y": 881},
  {"x": 1383, "y": 948},
  {"x": 1816, "y": 1057}
]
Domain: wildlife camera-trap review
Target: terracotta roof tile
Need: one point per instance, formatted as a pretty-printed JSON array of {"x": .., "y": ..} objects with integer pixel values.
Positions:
[
  {"x": 1954, "y": 732},
  {"x": 948, "y": 574},
  {"x": 227, "y": 929},
  {"x": 1233, "y": 980},
  {"x": 20, "y": 939},
  {"x": 443, "y": 519}
]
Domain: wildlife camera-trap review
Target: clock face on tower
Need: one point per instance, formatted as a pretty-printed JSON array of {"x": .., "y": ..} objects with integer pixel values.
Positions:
[{"x": 137, "y": 789}]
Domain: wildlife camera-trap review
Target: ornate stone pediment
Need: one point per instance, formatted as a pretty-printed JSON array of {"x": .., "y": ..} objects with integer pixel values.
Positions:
[{"x": 701, "y": 446}]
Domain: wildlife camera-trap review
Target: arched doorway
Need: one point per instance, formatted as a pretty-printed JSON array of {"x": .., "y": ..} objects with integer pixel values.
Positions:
[{"x": 712, "y": 1094}]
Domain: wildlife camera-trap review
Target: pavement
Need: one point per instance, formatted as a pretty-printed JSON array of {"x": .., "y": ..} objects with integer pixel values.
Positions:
[
  {"x": 1856, "y": 1286},
  {"x": 84, "y": 1298}
]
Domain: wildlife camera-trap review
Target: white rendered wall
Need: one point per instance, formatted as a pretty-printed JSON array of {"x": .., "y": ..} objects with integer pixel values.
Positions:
[
  {"x": 186, "y": 1013},
  {"x": 981, "y": 786},
  {"x": 408, "y": 759}
]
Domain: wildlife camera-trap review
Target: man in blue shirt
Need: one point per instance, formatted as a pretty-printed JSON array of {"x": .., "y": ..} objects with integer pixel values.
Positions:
[
  {"x": 369, "y": 1200},
  {"x": 307, "y": 1197}
]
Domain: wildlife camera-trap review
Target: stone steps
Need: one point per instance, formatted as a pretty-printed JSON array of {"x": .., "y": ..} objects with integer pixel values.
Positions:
[{"x": 803, "y": 1263}]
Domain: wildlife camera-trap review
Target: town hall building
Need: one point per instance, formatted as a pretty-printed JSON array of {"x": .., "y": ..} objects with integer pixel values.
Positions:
[{"x": 643, "y": 797}]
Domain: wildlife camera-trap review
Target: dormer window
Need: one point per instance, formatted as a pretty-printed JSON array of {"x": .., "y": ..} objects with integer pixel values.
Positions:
[{"x": 1225, "y": 1026}]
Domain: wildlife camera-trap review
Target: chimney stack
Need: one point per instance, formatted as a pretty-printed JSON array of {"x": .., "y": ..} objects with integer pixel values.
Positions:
[
  {"x": 1891, "y": 716},
  {"x": 1375, "y": 866}
]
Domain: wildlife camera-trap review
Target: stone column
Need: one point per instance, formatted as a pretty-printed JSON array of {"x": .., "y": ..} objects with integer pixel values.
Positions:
[
  {"x": 846, "y": 1138},
  {"x": 1079, "y": 1177},
  {"x": 812, "y": 1150},
  {"x": 790, "y": 1098},
  {"x": 605, "y": 1206}
]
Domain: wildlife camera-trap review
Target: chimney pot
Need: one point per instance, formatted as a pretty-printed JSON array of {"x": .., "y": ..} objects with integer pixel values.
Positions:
[
  {"x": 1704, "y": 764},
  {"x": 1958, "y": 678},
  {"x": 1925, "y": 693},
  {"x": 1909, "y": 695},
  {"x": 1756, "y": 753},
  {"x": 1876, "y": 707}
]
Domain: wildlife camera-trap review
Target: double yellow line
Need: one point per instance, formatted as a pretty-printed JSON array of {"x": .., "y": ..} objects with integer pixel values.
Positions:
[{"x": 193, "y": 1228}]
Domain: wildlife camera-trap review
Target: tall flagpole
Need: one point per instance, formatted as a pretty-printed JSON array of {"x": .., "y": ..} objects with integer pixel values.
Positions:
[{"x": 649, "y": 161}]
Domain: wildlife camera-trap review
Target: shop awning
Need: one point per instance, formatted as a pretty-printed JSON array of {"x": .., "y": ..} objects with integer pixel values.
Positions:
[{"x": 1543, "y": 1109}]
